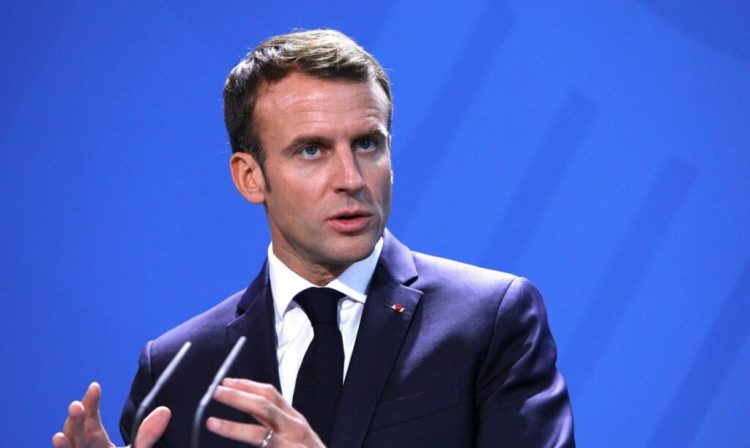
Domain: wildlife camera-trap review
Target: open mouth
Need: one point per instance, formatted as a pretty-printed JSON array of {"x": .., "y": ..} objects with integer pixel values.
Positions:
[
  {"x": 351, "y": 216},
  {"x": 350, "y": 222}
]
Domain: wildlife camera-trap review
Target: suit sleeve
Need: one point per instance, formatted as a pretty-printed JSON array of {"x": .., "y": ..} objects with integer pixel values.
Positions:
[
  {"x": 521, "y": 398},
  {"x": 142, "y": 384}
]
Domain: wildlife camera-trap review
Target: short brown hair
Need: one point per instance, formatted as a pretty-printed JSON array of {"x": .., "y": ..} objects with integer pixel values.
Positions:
[{"x": 321, "y": 53}]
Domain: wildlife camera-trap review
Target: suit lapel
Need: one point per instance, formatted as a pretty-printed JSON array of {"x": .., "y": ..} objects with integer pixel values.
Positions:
[
  {"x": 381, "y": 333},
  {"x": 255, "y": 320}
]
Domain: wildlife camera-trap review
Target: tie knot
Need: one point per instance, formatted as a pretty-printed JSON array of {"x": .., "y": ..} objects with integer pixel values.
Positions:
[{"x": 320, "y": 304}]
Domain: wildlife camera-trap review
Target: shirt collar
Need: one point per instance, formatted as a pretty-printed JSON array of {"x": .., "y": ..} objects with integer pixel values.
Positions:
[{"x": 353, "y": 282}]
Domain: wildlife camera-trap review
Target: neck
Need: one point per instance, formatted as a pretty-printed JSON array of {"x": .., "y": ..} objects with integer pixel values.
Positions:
[
  {"x": 319, "y": 277},
  {"x": 315, "y": 273}
]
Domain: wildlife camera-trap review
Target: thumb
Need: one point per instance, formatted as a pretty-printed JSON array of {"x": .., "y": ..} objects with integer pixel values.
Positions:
[{"x": 152, "y": 427}]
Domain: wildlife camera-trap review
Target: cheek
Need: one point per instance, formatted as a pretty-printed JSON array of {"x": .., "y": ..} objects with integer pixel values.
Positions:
[
  {"x": 385, "y": 178},
  {"x": 300, "y": 190},
  {"x": 383, "y": 186}
]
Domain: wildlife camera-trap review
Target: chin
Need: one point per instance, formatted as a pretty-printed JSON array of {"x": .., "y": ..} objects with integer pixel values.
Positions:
[{"x": 355, "y": 249}]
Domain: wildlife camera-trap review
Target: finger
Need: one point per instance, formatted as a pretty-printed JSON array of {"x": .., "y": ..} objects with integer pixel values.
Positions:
[
  {"x": 265, "y": 411},
  {"x": 243, "y": 432},
  {"x": 83, "y": 428},
  {"x": 259, "y": 406},
  {"x": 263, "y": 389},
  {"x": 91, "y": 400},
  {"x": 254, "y": 387},
  {"x": 60, "y": 441},
  {"x": 288, "y": 427},
  {"x": 153, "y": 427},
  {"x": 92, "y": 421},
  {"x": 74, "y": 426},
  {"x": 248, "y": 402},
  {"x": 251, "y": 386}
]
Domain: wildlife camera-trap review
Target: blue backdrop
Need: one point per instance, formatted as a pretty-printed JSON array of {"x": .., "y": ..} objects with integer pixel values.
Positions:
[{"x": 601, "y": 149}]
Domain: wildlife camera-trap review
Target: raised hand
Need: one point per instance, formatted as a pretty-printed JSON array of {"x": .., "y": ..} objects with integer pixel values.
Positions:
[
  {"x": 83, "y": 428},
  {"x": 266, "y": 404}
]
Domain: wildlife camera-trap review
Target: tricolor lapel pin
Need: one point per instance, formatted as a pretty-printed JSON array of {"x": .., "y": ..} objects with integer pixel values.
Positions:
[{"x": 397, "y": 308}]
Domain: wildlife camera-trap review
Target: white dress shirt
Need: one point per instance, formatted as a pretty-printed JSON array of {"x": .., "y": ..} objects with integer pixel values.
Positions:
[{"x": 293, "y": 329}]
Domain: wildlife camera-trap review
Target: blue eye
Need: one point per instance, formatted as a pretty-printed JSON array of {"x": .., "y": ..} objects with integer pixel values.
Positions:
[
  {"x": 366, "y": 144},
  {"x": 310, "y": 151}
]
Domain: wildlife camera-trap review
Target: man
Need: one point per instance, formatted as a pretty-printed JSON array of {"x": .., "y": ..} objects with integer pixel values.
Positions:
[{"x": 433, "y": 352}]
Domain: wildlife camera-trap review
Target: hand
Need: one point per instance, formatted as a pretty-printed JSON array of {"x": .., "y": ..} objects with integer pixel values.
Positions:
[
  {"x": 263, "y": 402},
  {"x": 83, "y": 427}
]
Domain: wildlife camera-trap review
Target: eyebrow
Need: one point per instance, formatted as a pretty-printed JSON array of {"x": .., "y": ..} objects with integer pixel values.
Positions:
[
  {"x": 375, "y": 132},
  {"x": 305, "y": 139},
  {"x": 301, "y": 140}
]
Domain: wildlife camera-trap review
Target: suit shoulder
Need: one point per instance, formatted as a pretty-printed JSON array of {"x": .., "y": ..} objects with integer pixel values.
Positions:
[
  {"x": 472, "y": 283},
  {"x": 444, "y": 270},
  {"x": 206, "y": 327}
]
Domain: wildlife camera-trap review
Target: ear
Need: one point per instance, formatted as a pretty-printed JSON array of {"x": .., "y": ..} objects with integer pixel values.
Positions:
[{"x": 248, "y": 177}]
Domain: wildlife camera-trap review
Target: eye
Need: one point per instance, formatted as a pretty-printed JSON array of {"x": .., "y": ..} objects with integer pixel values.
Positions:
[
  {"x": 366, "y": 144},
  {"x": 310, "y": 152}
]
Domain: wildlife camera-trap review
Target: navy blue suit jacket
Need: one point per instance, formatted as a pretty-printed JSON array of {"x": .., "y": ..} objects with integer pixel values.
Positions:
[{"x": 469, "y": 362}]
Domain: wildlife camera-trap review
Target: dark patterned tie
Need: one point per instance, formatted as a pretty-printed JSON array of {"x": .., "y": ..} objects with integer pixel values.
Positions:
[{"x": 321, "y": 375}]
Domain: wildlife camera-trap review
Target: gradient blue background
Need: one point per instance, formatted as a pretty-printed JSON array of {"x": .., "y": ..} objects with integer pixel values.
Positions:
[{"x": 601, "y": 149}]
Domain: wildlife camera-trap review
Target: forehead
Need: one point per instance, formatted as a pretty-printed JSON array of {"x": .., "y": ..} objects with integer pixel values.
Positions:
[{"x": 300, "y": 103}]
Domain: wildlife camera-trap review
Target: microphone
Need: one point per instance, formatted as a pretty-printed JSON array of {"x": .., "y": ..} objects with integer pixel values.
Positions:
[
  {"x": 220, "y": 374},
  {"x": 160, "y": 382}
]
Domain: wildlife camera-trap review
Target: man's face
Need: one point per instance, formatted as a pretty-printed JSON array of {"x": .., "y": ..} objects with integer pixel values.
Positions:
[{"x": 328, "y": 164}]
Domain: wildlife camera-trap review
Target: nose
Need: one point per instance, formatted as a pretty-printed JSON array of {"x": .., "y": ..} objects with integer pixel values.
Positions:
[{"x": 347, "y": 175}]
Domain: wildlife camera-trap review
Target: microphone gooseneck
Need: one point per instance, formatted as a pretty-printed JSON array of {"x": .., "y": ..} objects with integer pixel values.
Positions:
[
  {"x": 220, "y": 374},
  {"x": 160, "y": 382}
]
